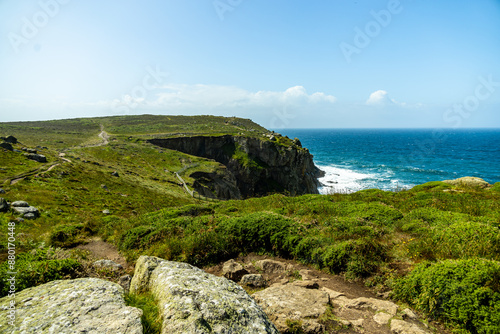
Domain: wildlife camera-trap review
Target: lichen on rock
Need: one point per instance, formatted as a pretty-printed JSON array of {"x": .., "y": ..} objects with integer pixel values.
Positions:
[
  {"x": 193, "y": 301},
  {"x": 84, "y": 305}
]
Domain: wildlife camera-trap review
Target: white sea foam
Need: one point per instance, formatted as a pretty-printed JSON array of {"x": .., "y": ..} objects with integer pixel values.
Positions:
[{"x": 343, "y": 180}]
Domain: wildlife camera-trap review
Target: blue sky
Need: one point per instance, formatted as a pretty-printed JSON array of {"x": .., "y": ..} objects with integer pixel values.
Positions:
[{"x": 284, "y": 64}]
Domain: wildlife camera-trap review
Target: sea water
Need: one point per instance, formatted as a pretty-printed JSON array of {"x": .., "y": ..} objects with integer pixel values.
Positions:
[{"x": 392, "y": 159}]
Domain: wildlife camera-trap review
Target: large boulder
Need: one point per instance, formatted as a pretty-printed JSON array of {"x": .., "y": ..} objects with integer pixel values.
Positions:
[
  {"x": 84, "y": 305},
  {"x": 10, "y": 139},
  {"x": 469, "y": 181},
  {"x": 289, "y": 302},
  {"x": 193, "y": 301},
  {"x": 7, "y": 146}
]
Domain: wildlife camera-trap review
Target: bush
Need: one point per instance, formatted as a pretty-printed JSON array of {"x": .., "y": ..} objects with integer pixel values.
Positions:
[
  {"x": 260, "y": 232},
  {"x": 38, "y": 267},
  {"x": 68, "y": 235},
  {"x": 465, "y": 292}
]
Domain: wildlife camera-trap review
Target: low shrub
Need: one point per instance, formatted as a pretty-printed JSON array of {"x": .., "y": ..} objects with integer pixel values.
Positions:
[
  {"x": 68, "y": 235},
  {"x": 37, "y": 267},
  {"x": 261, "y": 232},
  {"x": 464, "y": 292}
]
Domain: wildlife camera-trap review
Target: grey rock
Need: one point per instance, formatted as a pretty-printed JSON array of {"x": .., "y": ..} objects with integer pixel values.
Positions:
[
  {"x": 20, "y": 204},
  {"x": 288, "y": 302},
  {"x": 7, "y": 146},
  {"x": 193, "y": 301},
  {"x": 115, "y": 173},
  {"x": 4, "y": 206},
  {"x": 2, "y": 191},
  {"x": 253, "y": 280},
  {"x": 36, "y": 157},
  {"x": 403, "y": 327},
  {"x": 233, "y": 270},
  {"x": 107, "y": 264},
  {"x": 125, "y": 282},
  {"x": 378, "y": 305},
  {"x": 31, "y": 211},
  {"x": 270, "y": 266},
  {"x": 84, "y": 305},
  {"x": 10, "y": 139},
  {"x": 409, "y": 314},
  {"x": 30, "y": 216},
  {"x": 19, "y": 219},
  {"x": 31, "y": 150},
  {"x": 306, "y": 284},
  {"x": 106, "y": 211}
]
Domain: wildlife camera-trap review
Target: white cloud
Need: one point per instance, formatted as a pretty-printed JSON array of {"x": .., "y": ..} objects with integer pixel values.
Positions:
[
  {"x": 213, "y": 96},
  {"x": 379, "y": 98}
]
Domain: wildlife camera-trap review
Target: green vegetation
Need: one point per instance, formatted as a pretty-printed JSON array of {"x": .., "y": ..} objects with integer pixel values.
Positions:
[
  {"x": 436, "y": 245},
  {"x": 151, "y": 320},
  {"x": 37, "y": 267},
  {"x": 464, "y": 292}
]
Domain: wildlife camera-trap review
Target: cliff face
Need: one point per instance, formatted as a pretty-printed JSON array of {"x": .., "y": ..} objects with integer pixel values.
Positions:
[{"x": 259, "y": 166}]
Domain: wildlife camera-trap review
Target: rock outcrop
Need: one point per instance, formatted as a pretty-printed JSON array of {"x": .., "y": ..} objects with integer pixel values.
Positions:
[
  {"x": 36, "y": 157},
  {"x": 292, "y": 303},
  {"x": 193, "y": 301},
  {"x": 25, "y": 210},
  {"x": 469, "y": 181},
  {"x": 259, "y": 166},
  {"x": 85, "y": 305}
]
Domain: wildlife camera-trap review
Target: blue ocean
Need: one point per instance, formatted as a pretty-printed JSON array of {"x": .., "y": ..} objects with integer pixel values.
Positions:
[{"x": 391, "y": 159}]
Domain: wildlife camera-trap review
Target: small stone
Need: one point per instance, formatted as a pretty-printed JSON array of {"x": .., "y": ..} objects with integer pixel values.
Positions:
[
  {"x": 254, "y": 280},
  {"x": 106, "y": 212},
  {"x": 29, "y": 216},
  {"x": 107, "y": 264},
  {"x": 31, "y": 150},
  {"x": 233, "y": 270},
  {"x": 306, "y": 284},
  {"x": 19, "y": 219},
  {"x": 20, "y": 204},
  {"x": 270, "y": 266},
  {"x": 115, "y": 173},
  {"x": 4, "y": 206},
  {"x": 125, "y": 282},
  {"x": 2, "y": 191},
  {"x": 307, "y": 274},
  {"x": 105, "y": 187},
  {"x": 409, "y": 314}
]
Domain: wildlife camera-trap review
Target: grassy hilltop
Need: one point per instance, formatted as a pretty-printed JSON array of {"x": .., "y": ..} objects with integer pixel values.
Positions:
[{"x": 436, "y": 246}]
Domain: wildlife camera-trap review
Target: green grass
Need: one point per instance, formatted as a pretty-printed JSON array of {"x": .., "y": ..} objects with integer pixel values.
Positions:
[{"x": 151, "y": 319}]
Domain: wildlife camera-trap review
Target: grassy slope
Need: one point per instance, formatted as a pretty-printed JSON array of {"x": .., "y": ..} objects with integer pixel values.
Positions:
[{"x": 374, "y": 235}]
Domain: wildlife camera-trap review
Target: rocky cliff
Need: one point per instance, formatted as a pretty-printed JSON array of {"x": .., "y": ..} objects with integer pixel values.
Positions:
[{"x": 255, "y": 166}]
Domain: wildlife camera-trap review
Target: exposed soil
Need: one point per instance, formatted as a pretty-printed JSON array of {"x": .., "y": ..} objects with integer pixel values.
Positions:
[{"x": 102, "y": 250}]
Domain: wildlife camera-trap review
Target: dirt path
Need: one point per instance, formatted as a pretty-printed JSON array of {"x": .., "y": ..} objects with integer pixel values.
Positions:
[{"x": 103, "y": 250}]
